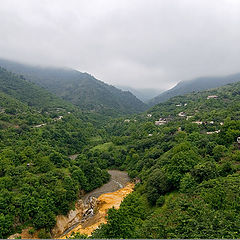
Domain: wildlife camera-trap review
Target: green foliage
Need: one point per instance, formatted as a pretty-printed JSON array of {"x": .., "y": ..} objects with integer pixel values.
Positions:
[
  {"x": 43, "y": 234},
  {"x": 122, "y": 222},
  {"x": 160, "y": 201},
  {"x": 157, "y": 185},
  {"x": 188, "y": 173},
  {"x": 218, "y": 152},
  {"x": 81, "y": 89},
  {"x": 187, "y": 184},
  {"x": 204, "y": 171},
  {"x": 78, "y": 236},
  {"x": 189, "y": 176}
]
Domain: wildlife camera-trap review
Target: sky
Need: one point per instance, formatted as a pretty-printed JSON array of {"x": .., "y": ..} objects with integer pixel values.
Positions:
[{"x": 136, "y": 43}]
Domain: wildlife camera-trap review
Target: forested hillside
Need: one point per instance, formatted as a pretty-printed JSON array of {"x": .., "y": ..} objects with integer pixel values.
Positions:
[
  {"x": 183, "y": 153},
  {"x": 37, "y": 178},
  {"x": 81, "y": 89},
  {"x": 29, "y": 93},
  {"x": 195, "y": 85},
  {"x": 188, "y": 167}
]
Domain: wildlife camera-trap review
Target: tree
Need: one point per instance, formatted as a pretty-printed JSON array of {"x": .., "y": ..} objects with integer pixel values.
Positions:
[{"x": 157, "y": 185}]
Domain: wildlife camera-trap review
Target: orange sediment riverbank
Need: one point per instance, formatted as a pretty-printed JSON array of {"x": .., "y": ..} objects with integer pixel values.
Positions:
[{"x": 105, "y": 202}]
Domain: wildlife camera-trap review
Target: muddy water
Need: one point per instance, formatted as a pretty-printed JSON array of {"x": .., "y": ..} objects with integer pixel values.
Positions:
[{"x": 108, "y": 196}]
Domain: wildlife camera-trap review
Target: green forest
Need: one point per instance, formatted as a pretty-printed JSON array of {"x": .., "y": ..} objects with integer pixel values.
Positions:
[{"x": 184, "y": 153}]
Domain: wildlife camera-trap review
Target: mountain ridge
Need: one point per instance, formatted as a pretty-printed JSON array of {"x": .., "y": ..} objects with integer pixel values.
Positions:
[
  {"x": 82, "y": 89},
  {"x": 196, "y": 84}
]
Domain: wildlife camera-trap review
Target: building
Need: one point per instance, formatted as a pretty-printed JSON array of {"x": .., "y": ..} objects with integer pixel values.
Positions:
[
  {"x": 182, "y": 114},
  {"x": 209, "y": 133},
  {"x": 212, "y": 97},
  {"x": 198, "y": 122},
  {"x": 161, "y": 121}
]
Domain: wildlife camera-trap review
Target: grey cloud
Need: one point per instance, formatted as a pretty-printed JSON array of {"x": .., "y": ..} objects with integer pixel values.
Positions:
[{"x": 141, "y": 43}]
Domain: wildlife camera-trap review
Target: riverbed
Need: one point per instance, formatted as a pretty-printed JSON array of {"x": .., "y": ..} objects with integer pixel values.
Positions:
[
  {"x": 109, "y": 195},
  {"x": 119, "y": 179}
]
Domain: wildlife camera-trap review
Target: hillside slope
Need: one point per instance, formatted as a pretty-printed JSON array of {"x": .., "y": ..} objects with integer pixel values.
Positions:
[
  {"x": 187, "y": 169},
  {"x": 29, "y": 93},
  {"x": 81, "y": 89},
  {"x": 38, "y": 180},
  {"x": 195, "y": 85}
]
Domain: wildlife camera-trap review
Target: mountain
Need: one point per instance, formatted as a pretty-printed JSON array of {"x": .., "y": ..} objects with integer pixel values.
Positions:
[
  {"x": 144, "y": 94},
  {"x": 195, "y": 85},
  {"x": 82, "y": 89},
  {"x": 186, "y": 169},
  {"x": 29, "y": 93}
]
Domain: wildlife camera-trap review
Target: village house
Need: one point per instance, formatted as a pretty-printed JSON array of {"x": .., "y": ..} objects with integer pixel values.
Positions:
[
  {"x": 182, "y": 114},
  {"x": 161, "y": 121},
  {"x": 209, "y": 133},
  {"x": 149, "y": 115},
  {"x": 212, "y": 97},
  {"x": 198, "y": 122},
  {"x": 40, "y": 125},
  {"x": 179, "y": 105},
  {"x": 127, "y": 120},
  {"x": 58, "y": 118}
]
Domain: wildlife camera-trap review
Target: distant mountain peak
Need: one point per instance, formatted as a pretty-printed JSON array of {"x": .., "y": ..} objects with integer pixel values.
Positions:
[{"x": 195, "y": 85}]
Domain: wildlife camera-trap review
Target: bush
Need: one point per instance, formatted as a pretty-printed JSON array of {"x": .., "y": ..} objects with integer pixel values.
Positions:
[
  {"x": 226, "y": 169},
  {"x": 157, "y": 185},
  {"x": 204, "y": 171},
  {"x": 187, "y": 183},
  {"x": 218, "y": 152},
  {"x": 160, "y": 201},
  {"x": 43, "y": 234},
  {"x": 31, "y": 231}
]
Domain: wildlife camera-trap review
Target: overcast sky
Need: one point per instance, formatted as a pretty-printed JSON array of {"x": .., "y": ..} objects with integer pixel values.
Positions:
[{"x": 140, "y": 43}]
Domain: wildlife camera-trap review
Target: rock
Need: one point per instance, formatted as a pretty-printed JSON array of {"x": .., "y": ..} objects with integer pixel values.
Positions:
[
  {"x": 65, "y": 222},
  {"x": 81, "y": 213}
]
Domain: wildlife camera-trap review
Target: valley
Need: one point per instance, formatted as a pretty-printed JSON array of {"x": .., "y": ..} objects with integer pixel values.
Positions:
[
  {"x": 98, "y": 202},
  {"x": 64, "y": 169},
  {"x": 109, "y": 195}
]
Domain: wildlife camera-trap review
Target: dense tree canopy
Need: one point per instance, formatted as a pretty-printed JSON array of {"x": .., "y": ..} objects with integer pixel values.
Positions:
[{"x": 188, "y": 167}]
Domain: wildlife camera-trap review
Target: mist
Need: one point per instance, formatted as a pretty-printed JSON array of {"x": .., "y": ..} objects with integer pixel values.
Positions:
[{"x": 136, "y": 43}]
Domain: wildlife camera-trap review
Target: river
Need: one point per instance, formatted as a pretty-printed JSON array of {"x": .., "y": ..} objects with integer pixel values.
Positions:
[{"x": 109, "y": 195}]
